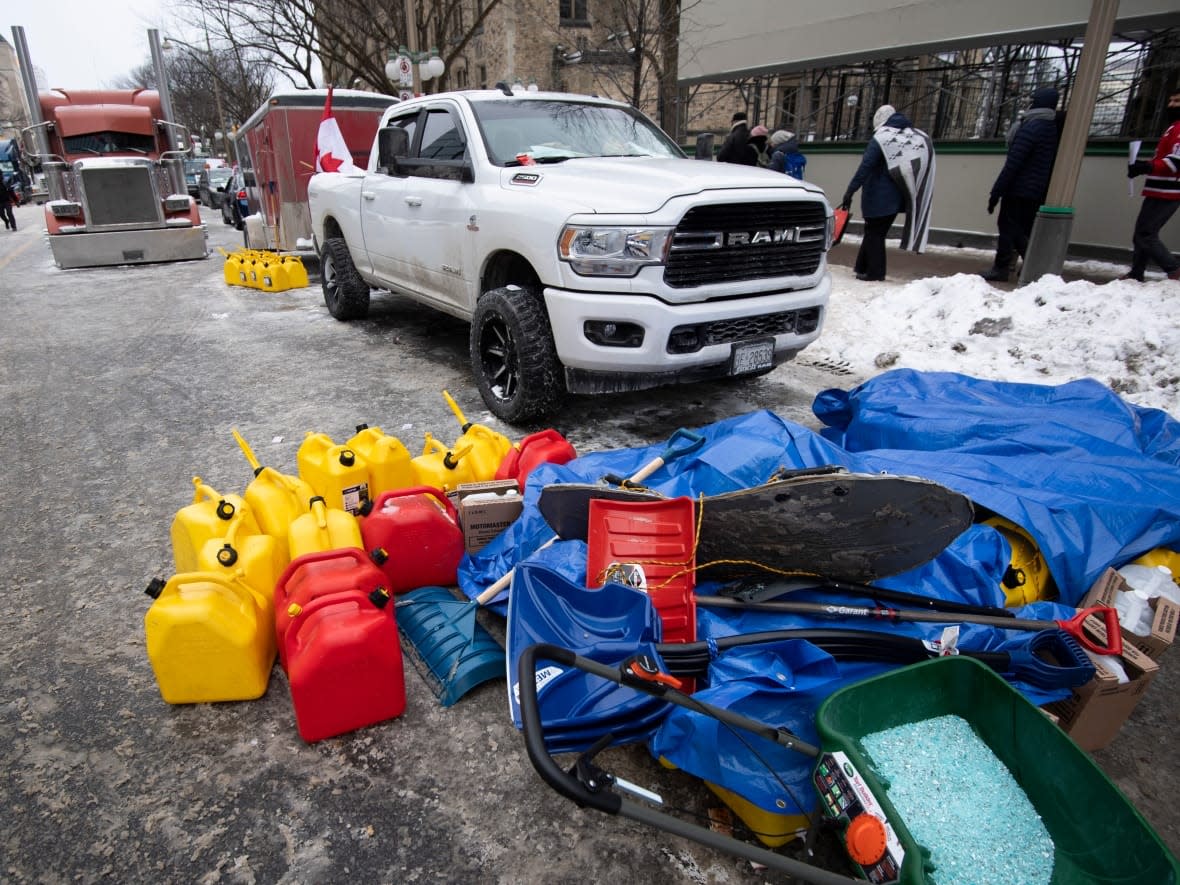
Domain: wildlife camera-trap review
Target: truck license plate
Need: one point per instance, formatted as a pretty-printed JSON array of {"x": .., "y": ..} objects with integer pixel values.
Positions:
[{"x": 752, "y": 356}]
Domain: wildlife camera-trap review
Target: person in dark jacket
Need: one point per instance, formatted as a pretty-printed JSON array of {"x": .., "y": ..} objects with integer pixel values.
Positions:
[
  {"x": 7, "y": 199},
  {"x": 736, "y": 148},
  {"x": 895, "y": 144},
  {"x": 1022, "y": 184}
]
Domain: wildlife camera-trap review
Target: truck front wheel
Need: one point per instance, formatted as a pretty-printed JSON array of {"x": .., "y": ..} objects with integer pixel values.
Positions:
[
  {"x": 513, "y": 356},
  {"x": 345, "y": 293}
]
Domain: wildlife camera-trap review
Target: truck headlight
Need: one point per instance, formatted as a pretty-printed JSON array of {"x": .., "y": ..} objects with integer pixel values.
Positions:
[
  {"x": 177, "y": 204},
  {"x": 65, "y": 209},
  {"x": 612, "y": 251},
  {"x": 829, "y": 232}
]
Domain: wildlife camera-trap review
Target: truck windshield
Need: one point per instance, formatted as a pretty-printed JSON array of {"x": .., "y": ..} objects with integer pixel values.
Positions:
[
  {"x": 553, "y": 131},
  {"x": 110, "y": 143}
]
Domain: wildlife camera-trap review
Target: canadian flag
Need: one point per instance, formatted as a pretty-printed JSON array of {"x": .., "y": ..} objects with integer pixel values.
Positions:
[{"x": 331, "y": 153}]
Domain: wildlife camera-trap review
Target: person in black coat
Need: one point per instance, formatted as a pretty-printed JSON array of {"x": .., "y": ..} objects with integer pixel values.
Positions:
[
  {"x": 7, "y": 198},
  {"x": 736, "y": 148},
  {"x": 1023, "y": 183}
]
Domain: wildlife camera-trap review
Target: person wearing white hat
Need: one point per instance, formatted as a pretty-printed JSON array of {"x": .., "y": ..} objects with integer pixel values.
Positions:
[
  {"x": 785, "y": 155},
  {"x": 897, "y": 174}
]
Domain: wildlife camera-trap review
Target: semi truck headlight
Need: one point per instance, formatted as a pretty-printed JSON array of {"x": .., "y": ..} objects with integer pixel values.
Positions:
[
  {"x": 612, "y": 251},
  {"x": 177, "y": 204},
  {"x": 65, "y": 209}
]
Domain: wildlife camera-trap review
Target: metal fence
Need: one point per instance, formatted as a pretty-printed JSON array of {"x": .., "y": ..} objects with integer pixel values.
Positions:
[{"x": 973, "y": 94}]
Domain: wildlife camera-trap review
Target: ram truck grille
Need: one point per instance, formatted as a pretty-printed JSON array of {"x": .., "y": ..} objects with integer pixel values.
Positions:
[{"x": 733, "y": 242}]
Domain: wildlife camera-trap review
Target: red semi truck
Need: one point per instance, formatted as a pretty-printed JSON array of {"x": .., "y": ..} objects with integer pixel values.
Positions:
[
  {"x": 276, "y": 149},
  {"x": 114, "y": 175}
]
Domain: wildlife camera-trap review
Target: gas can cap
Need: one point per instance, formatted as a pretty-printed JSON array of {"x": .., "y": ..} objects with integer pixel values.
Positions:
[
  {"x": 865, "y": 839},
  {"x": 347, "y": 457}
]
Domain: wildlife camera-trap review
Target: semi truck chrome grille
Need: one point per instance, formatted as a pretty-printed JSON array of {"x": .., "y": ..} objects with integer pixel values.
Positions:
[
  {"x": 734, "y": 242},
  {"x": 119, "y": 196}
]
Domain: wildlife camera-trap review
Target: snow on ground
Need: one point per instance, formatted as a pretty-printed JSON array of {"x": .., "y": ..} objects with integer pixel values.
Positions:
[{"x": 1122, "y": 333}]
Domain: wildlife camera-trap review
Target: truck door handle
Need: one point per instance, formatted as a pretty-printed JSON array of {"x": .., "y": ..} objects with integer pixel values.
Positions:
[
  {"x": 369, "y": 195},
  {"x": 413, "y": 201}
]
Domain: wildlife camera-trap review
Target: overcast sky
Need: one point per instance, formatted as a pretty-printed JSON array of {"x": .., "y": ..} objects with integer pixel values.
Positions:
[{"x": 85, "y": 43}]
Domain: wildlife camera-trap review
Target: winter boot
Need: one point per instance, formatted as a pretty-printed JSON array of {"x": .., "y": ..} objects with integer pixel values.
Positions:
[{"x": 995, "y": 274}]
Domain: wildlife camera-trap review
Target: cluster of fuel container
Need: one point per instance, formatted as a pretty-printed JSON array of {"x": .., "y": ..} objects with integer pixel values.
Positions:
[
  {"x": 304, "y": 567},
  {"x": 267, "y": 271}
]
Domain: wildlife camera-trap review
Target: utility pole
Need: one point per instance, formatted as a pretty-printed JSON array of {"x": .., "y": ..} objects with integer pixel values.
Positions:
[{"x": 1050, "y": 236}]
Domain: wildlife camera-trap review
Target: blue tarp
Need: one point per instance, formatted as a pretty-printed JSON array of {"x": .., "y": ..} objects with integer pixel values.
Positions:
[{"x": 1094, "y": 480}]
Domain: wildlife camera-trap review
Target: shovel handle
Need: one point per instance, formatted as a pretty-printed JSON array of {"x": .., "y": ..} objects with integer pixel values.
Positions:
[
  {"x": 504, "y": 580},
  {"x": 1110, "y": 618},
  {"x": 682, "y": 442}
]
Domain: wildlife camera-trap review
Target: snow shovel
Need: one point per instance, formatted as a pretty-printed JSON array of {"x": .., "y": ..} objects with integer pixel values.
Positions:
[
  {"x": 452, "y": 652},
  {"x": 1106, "y": 617}
]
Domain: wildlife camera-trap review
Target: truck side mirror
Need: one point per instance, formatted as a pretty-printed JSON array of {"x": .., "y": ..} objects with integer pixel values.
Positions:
[{"x": 393, "y": 143}]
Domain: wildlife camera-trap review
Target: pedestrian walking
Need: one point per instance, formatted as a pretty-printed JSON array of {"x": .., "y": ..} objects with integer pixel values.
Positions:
[
  {"x": 7, "y": 198},
  {"x": 736, "y": 147},
  {"x": 785, "y": 155},
  {"x": 896, "y": 173},
  {"x": 1161, "y": 199},
  {"x": 1023, "y": 182}
]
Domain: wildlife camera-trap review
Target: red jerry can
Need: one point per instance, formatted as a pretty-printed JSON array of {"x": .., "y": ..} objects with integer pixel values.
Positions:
[
  {"x": 324, "y": 573},
  {"x": 344, "y": 665},
  {"x": 543, "y": 447},
  {"x": 414, "y": 537}
]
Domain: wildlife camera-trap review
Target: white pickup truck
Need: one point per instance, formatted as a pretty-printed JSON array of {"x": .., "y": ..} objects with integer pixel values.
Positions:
[{"x": 587, "y": 252}]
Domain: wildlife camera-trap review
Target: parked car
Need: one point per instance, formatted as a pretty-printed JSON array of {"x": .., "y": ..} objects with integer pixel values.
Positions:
[
  {"x": 235, "y": 206},
  {"x": 212, "y": 184},
  {"x": 192, "y": 174}
]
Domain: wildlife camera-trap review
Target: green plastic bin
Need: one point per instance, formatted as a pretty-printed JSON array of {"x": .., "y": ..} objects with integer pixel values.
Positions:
[{"x": 1099, "y": 837}]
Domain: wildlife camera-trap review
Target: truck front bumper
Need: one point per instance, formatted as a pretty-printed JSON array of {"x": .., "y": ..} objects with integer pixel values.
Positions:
[
  {"x": 128, "y": 247},
  {"x": 665, "y": 354}
]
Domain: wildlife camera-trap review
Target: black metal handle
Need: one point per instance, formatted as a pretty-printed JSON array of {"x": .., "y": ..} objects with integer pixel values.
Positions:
[{"x": 534, "y": 737}]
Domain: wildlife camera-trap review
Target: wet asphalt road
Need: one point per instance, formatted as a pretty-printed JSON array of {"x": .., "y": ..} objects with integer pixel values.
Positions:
[{"x": 120, "y": 384}]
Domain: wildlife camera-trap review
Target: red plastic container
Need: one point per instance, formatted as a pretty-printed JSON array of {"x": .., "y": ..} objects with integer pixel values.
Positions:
[
  {"x": 344, "y": 664},
  {"x": 659, "y": 536},
  {"x": 324, "y": 573},
  {"x": 543, "y": 447},
  {"x": 413, "y": 536}
]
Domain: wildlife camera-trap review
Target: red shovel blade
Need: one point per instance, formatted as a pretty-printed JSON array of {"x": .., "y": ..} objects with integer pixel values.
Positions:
[{"x": 841, "y": 223}]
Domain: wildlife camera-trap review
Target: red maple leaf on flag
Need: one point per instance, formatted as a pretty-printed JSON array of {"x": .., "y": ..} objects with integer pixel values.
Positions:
[{"x": 331, "y": 151}]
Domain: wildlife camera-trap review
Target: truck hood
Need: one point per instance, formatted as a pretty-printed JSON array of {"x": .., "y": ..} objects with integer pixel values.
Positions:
[{"x": 639, "y": 185}]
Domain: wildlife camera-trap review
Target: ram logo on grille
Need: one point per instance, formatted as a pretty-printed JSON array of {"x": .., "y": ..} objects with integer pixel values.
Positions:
[{"x": 762, "y": 237}]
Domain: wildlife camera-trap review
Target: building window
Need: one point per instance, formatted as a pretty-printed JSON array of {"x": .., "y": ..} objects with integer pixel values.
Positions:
[
  {"x": 483, "y": 76},
  {"x": 461, "y": 78},
  {"x": 573, "y": 12}
]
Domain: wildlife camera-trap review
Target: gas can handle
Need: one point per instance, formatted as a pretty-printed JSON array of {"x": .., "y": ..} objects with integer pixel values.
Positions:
[{"x": 409, "y": 491}]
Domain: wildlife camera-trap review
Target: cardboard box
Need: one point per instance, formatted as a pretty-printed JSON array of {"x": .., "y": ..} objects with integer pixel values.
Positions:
[
  {"x": 1163, "y": 626},
  {"x": 1095, "y": 712},
  {"x": 486, "y": 509}
]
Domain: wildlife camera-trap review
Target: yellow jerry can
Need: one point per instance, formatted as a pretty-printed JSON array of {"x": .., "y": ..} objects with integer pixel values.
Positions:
[
  {"x": 207, "y": 640},
  {"x": 323, "y": 528},
  {"x": 387, "y": 458},
  {"x": 276, "y": 499},
  {"x": 336, "y": 472},
  {"x": 296, "y": 272},
  {"x": 233, "y": 267},
  {"x": 256, "y": 560},
  {"x": 210, "y": 515},
  {"x": 1028, "y": 578},
  {"x": 441, "y": 468},
  {"x": 488, "y": 448},
  {"x": 271, "y": 276}
]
